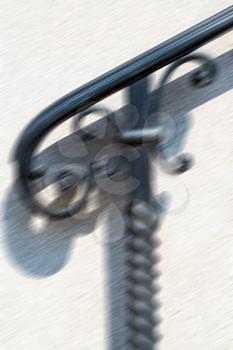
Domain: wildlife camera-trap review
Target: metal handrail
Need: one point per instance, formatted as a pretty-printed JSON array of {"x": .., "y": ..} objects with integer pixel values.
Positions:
[
  {"x": 123, "y": 76},
  {"x": 143, "y": 217}
]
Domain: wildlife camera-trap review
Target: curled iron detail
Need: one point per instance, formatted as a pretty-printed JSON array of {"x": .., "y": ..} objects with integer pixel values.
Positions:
[
  {"x": 106, "y": 85},
  {"x": 91, "y": 132},
  {"x": 146, "y": 135},
  {"x": 202, "y": 77}
]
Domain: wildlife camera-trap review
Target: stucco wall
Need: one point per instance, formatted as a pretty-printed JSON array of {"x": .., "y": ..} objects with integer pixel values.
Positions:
[{"x": 61, "y": 287}]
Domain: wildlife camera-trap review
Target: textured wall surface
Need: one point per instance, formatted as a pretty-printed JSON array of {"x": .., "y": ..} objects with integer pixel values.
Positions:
[{"x": 61, "y": 285}]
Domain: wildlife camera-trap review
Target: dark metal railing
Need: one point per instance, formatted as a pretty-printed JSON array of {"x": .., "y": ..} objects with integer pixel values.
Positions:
[{"x": 142, "y": 213}]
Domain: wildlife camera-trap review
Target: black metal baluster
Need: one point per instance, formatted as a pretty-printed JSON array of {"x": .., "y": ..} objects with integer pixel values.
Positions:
[{"x": 142, "y": 218}]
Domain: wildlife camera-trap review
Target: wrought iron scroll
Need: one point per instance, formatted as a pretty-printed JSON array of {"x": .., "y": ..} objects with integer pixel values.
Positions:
[{"x": 142, "y": 213}]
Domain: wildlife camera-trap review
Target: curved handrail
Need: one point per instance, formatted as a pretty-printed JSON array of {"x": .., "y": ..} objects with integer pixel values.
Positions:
[{"x": 111, "y": 82}]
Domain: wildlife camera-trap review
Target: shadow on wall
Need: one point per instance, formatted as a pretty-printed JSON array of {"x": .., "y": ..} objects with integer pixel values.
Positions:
[{"x": 41, "y": 249}]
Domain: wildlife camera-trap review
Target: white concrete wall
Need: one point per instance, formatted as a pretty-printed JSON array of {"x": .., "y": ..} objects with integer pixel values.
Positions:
[{"x": 61, "y": 288}]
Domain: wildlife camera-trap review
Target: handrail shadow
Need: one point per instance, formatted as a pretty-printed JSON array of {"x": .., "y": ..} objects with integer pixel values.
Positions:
[{"x": 41, "y": 252}]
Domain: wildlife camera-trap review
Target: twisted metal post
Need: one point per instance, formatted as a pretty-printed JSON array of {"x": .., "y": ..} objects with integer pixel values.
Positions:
[
  {"x": 140, "y": 244},
  {"x": 142, "y": 214}
]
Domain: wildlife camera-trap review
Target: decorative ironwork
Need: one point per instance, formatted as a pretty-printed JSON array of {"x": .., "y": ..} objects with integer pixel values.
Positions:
[{"x": 142, "y": 214}]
